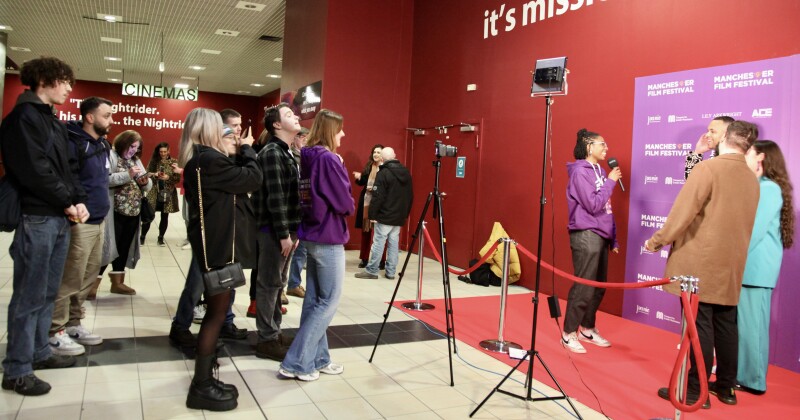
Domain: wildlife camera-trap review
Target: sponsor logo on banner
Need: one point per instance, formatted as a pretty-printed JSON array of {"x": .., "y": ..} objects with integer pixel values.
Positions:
[
  {"x": 677, "y": 87},
  {"x": 743, "y": 80},
  {"x": 711, "y": 116},
  {"x": 642, "y": 310},
  {"x": 666, "y": 150},
  {"x": 653, "y": 119},
  {"x": 660, "y": 316},
  {"x": 664, "y": 254},
  {"x": 674, "y": 181},
  {"x": 643, "y": 278},
  {"x": 678, "y": 118},
  {"x": 650, "y": 180},
  {"x": 762, "y": 113}
]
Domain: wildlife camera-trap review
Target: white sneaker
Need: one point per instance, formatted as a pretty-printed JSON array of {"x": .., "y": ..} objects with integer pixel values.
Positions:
[
  {"x": 199, "y": 312},
  {"x": 570, "y": 341},
  {"x": 83, "y": 336},
  {"x": 593, "y": 336},
  {"x": 332, "y": 369},
  {"x": 62, "y": 345},
  {"x": 291, "y": 375},
  {"x": 186, "y": 245}
]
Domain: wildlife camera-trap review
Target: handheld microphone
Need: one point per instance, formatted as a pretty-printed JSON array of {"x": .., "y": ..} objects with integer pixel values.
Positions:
[{"x": 612, "y": 163}]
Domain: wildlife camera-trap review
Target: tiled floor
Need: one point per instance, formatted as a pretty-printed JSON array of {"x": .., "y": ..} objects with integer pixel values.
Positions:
[{"x": 135, "y": 374}]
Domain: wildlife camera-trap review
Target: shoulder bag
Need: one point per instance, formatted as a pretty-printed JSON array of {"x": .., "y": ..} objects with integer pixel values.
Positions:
[{"x": 229, "y": 276}]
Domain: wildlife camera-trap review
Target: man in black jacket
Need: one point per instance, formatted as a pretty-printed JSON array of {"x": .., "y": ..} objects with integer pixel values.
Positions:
[
  {"x": 392, "y": 196},
  {"x": 34, "y": 147}
]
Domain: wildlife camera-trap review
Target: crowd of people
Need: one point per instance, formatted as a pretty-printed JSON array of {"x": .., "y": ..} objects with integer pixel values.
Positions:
[{"x": 281, "y": 203}]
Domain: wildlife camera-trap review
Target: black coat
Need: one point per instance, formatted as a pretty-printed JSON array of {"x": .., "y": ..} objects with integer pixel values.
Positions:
[
  {"x": 222, "y": 179},
  {"x": 360, "y": 209},
  {"x": 392, "y": 195},
  {"x": 35, "y": 154}
]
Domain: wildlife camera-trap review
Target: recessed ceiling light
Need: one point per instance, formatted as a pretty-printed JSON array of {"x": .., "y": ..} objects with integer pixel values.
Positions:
[
  {"x": 188, "y": 78},
  {"x": 242, "y": 91},
  {"x": 114, "y": 70},
  {"x": 113, "y": 58},
  {"x": 256, "y": 84},
  {"x": 181, "y": 85},
  {"x": 5, "y": 28},
  {"x": 109, "y": 17},
  {"x": 274, "y": 76},
  {"x": 246, "y": 5},
  {"x": 278, "y": 59},
  {"x": 226, "y": 32},
  {"x": 21, "y": 49},
  {"x": 204, "y": 51},
  {"x": 197, "y": 68},
  {"x": 107, "y": 39},
  {"x": 114, "y": 80}
]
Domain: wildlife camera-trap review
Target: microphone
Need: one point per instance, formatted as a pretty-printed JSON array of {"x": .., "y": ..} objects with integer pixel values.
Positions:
[{"x": 612, "y": 163}]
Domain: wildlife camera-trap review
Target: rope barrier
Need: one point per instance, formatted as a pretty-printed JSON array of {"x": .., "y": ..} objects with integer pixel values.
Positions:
[{"x": 459, "y": 272}]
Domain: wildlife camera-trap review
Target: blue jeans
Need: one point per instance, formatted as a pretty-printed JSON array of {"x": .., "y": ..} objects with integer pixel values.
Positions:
[
  {"x": 39, "y": 251},
  {"x": 324, "y": 281},
  {"x": 298, "y": 261},
  {"x": 190, "y": 296},
  {"x": 384, "y": 235}
]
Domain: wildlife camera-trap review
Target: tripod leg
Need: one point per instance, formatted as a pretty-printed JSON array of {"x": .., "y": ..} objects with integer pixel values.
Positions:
[
  {"x": 497, "y": 388},
  {"x": 566, "y": 397},
  {"x": 417, "y": 232},
  {"x": 448, "y": 301}
]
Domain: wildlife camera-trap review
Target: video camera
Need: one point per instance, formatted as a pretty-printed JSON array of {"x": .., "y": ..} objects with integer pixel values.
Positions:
[{"x": 445, "y": 150}]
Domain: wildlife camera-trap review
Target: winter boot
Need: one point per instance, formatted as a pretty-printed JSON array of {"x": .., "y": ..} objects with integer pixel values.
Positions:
[
  {"x": 117, "y": 283},
  {"x": 204, "y": 393},
  {"x": 222, "y": 385}
]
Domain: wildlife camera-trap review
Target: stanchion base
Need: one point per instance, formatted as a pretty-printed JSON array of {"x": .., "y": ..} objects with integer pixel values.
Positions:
[
  {"x": 421, "y": 306},
  {"x": 499, "y": 346}
]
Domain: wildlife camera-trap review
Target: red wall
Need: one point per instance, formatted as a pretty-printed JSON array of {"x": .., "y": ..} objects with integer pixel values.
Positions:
[
  {"x": 608, "y": 44},
  {"x": 169, "y": 109}
]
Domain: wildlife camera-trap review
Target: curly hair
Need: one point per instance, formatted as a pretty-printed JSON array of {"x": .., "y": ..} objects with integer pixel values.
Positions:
[
  {"x": 155, "y": 160},
  {"x": 47, "y": 71},
  {"x": 585, "y": 138},
  {"x": 775, "y": 169}
]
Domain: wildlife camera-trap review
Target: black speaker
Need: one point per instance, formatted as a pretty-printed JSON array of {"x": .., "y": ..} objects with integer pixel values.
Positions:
[{"x": 555, "y": 308}]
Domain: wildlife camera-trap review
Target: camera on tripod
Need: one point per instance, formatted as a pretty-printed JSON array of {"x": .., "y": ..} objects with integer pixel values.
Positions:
[{"x": 445, "y": 150}]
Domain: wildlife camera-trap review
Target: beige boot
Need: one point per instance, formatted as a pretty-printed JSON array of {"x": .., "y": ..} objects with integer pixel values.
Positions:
[
  {"x": 117, "y": 283},
  {"x": 93, "y": 291}
]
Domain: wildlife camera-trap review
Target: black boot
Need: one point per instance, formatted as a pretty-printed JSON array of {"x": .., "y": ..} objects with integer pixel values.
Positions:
[
  {"x": 222, "y": 385},
  {"x": 204, "y": 394}
]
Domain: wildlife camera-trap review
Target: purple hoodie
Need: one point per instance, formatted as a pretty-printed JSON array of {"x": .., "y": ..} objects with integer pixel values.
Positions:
[
  {"x": 325, "y": 197},
  {"x": 589, "y": 206}
]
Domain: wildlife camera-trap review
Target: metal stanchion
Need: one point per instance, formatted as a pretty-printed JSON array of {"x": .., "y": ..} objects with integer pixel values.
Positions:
[
  {"x": 689, "y": 285},
  {"x": 418, "y": 305},
  {"x": 500, "y": 345}
]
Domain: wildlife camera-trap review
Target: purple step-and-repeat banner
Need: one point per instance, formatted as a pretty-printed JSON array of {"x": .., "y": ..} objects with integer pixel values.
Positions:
[{"x": 671, "y": 112}]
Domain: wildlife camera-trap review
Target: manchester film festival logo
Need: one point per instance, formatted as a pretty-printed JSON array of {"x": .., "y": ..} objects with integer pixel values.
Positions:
[
  {"x": 677, "y": 87},
  {"x": 744, "y": 80}
]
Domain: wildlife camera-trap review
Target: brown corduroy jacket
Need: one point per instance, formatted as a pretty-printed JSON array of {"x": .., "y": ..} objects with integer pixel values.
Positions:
[{"x": 709, "y": 227}]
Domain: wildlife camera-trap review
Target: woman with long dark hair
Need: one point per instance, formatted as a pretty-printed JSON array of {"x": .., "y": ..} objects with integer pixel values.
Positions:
[
  {"x": 366, "y": 179},
  {"x": 773, "y": 232},
  {"x": 164, "y": 197},
  {"x": 592, "y": 233},
  {"x": 128, "y": 183},
  {"x": 326, "y": 201},
  {"x": 206, "y": 157}
]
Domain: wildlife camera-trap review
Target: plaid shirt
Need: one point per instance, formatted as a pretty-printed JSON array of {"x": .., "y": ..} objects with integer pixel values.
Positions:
[{"x": 277, "y": 202}]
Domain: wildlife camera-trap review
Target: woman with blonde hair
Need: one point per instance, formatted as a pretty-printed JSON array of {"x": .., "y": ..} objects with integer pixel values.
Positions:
[
  {"x": 325, "y": 200},
  {"x": 773, "y": 232},
  {"x": 205, "y": 156}
]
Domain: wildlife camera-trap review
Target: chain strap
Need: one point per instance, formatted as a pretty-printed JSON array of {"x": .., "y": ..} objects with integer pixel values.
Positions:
[{"x": 203, "y": 224}]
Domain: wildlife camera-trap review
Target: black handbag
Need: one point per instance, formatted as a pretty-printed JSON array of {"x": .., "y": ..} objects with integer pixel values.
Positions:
[
  {"x": 147, "y": 214},
  {"x": 229, "y": 276},
  {"x": 10, "y": 211}
]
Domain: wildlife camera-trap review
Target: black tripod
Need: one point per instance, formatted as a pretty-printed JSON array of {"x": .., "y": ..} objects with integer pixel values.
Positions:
[
  {"x": 448, "y": 304},
  {"x": 533, "y": 352}
]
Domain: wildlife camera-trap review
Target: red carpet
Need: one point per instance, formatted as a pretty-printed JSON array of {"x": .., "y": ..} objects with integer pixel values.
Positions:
[{"x": 625, "y": 377}]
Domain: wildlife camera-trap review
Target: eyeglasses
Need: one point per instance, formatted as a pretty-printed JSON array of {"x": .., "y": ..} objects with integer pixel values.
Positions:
[{"x": 601, "y": 143}]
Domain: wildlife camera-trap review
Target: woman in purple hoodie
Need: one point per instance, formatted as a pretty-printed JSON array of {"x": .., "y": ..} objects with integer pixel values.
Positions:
[
  {"x": 325, "y": 201},
  {"x": 591, "y": 234}
]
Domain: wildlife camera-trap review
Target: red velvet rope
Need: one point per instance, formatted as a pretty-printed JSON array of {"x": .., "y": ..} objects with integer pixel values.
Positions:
[{"x": 459, "y": 272}]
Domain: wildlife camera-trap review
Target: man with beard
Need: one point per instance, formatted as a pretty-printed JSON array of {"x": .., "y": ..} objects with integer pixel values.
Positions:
[
  {"x": 708, "y": 141},
  {"x": 89, "y": 150}
]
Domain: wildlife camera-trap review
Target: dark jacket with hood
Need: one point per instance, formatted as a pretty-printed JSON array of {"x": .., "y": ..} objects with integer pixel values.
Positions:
[
  {"x": 392, "y": 195},
  {"x": 34, "y": 147},
  {"x": 91, "y": 157}
]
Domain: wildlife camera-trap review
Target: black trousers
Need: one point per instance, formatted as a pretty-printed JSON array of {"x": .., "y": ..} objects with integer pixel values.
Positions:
[
  {"x": 124, "y": 231},
  {"x": 162, "y": 226},
  {"x": 717, "y": 330},
  {"x": 590, "y": 261}
]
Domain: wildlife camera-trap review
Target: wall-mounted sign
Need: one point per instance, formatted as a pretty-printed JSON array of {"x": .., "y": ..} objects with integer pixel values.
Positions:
[
  {"x": 306, "y": 101},
  {"x": 461, "y": 166},
  {"x": 149, "y": 91}
]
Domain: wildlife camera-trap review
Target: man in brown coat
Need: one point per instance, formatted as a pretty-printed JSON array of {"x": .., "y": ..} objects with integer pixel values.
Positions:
[{"x": 709, "y": 227}]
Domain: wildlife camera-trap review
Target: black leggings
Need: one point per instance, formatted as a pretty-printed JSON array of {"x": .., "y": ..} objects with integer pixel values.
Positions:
[
  {"x": 162, "y": 226},
  {"x": 216, "y": 309},
  {"x": 124, "y": 233}
]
